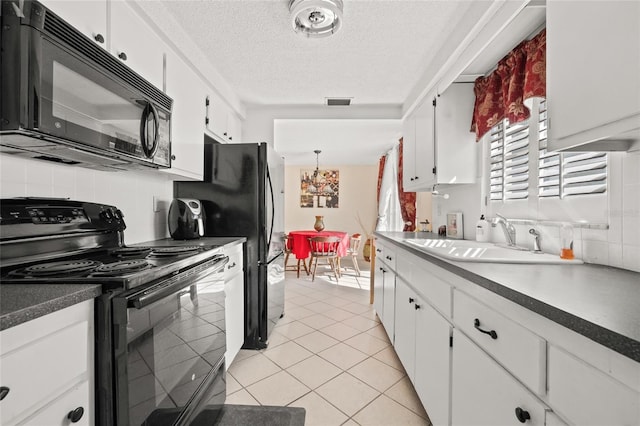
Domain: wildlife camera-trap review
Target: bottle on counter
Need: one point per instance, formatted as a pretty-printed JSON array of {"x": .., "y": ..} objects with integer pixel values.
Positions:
[
  {"x": 566, "y": 241},
  {"x": 482, "y": 230}
]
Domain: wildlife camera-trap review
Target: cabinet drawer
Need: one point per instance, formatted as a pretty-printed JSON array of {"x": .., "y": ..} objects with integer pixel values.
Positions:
[
  {"x": 235, "y": 261},
  {"x": 516, "y": 348},
  {"x": 587, "y": 396},
  {"x": 56, "y": 413},
  {"x": 484, "y": 393},
  {"x": 38, "y": 371},
  {"x": 388, "y": 257},
  {"x": 432, "y": 288}
]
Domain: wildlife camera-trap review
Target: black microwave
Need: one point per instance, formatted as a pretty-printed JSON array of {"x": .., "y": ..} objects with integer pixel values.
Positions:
[{"x": 66, "y": 99}]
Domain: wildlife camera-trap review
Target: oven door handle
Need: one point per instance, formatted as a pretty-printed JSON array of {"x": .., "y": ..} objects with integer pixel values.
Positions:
[{"x": 174, "y": 284}]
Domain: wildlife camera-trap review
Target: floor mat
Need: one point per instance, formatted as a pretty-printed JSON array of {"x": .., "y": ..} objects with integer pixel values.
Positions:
[{"x": 260, "y": 415}]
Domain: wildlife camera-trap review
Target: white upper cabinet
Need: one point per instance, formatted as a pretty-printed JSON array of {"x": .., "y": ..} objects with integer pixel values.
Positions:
[
  {"x": 438, "y": 146},
  {"x": 593, "y": 74},
  {"x": 136, "y": 44},
  {"x": 221, "y": 121},
  {"x": 90, "y": 18},
  {"x": 187, "y": 124},
  {"x": 127, "y": 37}
]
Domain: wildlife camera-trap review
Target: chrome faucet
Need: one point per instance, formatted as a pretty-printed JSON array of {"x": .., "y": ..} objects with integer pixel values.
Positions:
[
  {"x": 536, "y": 240},
  {"x": 508, "y": 229}
]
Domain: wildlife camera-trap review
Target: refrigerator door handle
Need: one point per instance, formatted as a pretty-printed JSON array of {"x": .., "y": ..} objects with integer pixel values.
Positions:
[{"x": 273, "y": 209}]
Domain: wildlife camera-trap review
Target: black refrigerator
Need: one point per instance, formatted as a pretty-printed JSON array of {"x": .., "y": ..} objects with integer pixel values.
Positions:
[{"x": 242, "y": 195}]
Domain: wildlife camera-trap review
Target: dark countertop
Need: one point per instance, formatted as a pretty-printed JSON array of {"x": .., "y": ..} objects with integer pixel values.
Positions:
[
  {"x": 599, "y": 302},
  {"x": 20, "y": 303},
  {"x": 23, "y": 302}
]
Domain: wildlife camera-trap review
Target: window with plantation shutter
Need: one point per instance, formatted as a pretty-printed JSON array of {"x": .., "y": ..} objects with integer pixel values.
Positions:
[
  {"x": 548, "y": 163},
  {"x": 560, "y": 175},
  {"x": 509, "y": 161},
  {"x": 584, "y": 173},
  {"x": 516, "y": 161},
  {"x": 568, "y": 173},
  {"x": 496, "y": 167}
]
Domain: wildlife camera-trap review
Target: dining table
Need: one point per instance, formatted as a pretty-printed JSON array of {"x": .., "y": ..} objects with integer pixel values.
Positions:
[{"x": 301, "y": 247}]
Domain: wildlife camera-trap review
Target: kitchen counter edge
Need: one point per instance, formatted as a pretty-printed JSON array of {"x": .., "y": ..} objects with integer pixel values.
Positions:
[
  {"x": 627, "y": 345},
  {"x": 20, "y": 303}
]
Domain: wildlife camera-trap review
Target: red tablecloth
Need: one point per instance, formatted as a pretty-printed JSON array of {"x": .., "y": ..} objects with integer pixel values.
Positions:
[{"x": 301, "y": 246}]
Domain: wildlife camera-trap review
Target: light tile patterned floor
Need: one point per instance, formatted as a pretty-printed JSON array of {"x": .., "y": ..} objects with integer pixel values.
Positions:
[{"x": 330, "y": 355}]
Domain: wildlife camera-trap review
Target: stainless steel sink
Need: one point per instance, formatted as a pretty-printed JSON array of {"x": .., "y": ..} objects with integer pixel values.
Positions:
[{"x": 473, "y": 251}]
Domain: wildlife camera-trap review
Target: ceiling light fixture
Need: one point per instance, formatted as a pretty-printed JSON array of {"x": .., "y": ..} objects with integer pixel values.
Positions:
[{"x": 316, "y": 18}]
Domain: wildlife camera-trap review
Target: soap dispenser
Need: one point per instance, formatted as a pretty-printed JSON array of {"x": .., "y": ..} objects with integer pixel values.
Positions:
[{"x": 482, "y": 230}]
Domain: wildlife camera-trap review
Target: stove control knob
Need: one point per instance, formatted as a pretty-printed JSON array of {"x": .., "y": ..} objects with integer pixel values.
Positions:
[{"x": 107, "y": 215}]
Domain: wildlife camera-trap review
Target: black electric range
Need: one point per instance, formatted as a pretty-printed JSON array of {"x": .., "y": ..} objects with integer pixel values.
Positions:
[{"x": 151, "y": 367}]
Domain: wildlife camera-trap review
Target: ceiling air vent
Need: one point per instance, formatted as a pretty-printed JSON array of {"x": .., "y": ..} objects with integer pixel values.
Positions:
[{"x": 338, "y": 101}]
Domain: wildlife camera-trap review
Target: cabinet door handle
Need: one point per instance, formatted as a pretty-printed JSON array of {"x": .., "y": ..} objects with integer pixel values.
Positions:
[
  {"x": 417, "y": 178},
  {"x": 233, "y": 265},
  {"x": 416, "y": 306},
  {"x": 412, "y": 179},
  {"x": 4, "y": 391},
  {"x": 411, "y": 300},
  {"x": 99, "y": 38},
  {"x": 122, "y": 56},
  {"x": 492, "y": 333},
  {"x": 378, "y": 251},
  {"x": 173, "y": 157},
  {"x": 388, "y": 257},
  {"x": 383, "y": 270},
  {"x": 75, "y": 415},
  {"x": 522, "y": 415}
]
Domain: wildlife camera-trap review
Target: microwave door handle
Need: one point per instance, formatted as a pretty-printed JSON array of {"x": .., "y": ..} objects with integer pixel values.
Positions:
[{"x": 149, "y": 110}]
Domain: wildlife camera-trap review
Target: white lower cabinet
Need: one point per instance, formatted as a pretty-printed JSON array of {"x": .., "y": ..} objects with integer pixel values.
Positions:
[
  {"x": 378, "y": 285},
  {"x": 483, "y": 393},
  {"x": 234, "y": 303},
  {"x": 47, "y": 368},
  {"x": 389, "y": 290},
  {"x": 507, "y": 365},
  {"x": 422, "y": 344},
  {"x": 433, "y": 363},
  {"x": 586, "y": 396}
]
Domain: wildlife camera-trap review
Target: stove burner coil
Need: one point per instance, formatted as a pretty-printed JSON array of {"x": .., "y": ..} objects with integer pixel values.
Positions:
[
  {"x": 66, "y": 268},
  {"x": 130, "y": 251},
  {"x": 174, "y": 251},
  {"x": 120, "y": 268}
]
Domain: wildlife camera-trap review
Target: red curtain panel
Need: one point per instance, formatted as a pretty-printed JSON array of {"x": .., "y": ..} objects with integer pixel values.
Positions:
[
  {"x": 407, "y": 199},
  {"x": 519, "y": 76}
]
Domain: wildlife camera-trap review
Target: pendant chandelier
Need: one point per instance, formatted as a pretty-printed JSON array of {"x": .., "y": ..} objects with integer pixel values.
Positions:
[
  {"x": 316, "y": 172},
  {"x": 316, "y": 18}
]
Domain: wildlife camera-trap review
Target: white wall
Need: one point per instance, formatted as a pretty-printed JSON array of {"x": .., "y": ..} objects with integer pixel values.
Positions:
[
  {"x": 357, "y": 197},
  {"x": 132, "y": 192}
]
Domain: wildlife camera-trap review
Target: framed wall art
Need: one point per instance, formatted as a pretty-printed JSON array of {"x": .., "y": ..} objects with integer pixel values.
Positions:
[{"x": 319, "y": 188}]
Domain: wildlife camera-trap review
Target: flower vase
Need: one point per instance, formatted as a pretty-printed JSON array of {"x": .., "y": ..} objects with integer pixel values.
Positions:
[
  {"x": 366, "y": 251},
  {"x": 319, "y": 225}
]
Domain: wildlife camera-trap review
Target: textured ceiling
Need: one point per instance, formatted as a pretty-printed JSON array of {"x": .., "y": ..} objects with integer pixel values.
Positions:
[{"x": 376, "y": 58}]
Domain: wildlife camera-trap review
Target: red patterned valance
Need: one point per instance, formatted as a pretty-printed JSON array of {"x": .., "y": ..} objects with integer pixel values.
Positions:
[{"x": 519, "y": 76}]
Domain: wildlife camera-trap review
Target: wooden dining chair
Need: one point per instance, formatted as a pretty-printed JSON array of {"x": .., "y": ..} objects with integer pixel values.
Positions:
[
  {"x": 352, "y": 251},
  {"x": 288, "y": 250},
  {"x": 324, "y": 248}
]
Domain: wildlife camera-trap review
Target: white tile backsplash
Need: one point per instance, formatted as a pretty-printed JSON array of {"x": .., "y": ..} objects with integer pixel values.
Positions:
[{"x": 130, "y": 191}]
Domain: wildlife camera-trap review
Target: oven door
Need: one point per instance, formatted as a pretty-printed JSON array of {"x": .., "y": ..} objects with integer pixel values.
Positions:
[
  {"x": 169, "y": 362},
  {"x": 75, "y": 100}
]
